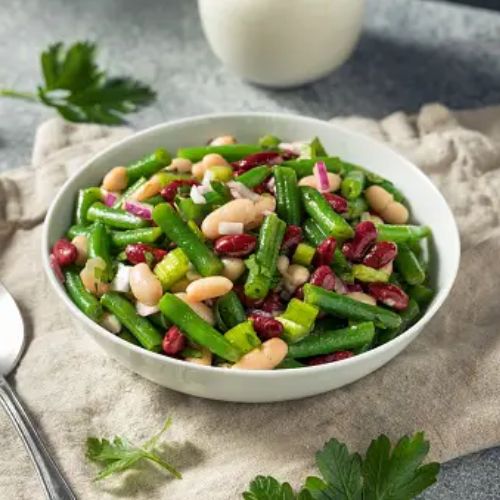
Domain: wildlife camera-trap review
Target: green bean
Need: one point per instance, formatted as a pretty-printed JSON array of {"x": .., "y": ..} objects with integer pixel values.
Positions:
[
  {"x": 128, "y": 337},
  {"x": 269, "y": 142},
  {"x": 341, "y": 266},
  {"x": 288, "y": 202},
  {"x": 147, "y": 335},
  {"x": 115, "y": 217},
  {"x": 353, "y": 184},
  {"x": 346, "y": 339},
  {"x": 322, "y": 213},
  {"x": 86, "y": 198},
  {"x": 204, "y": 260},
  {"x": 160, "y": 321},
  {"x": 149, "y": 165},
  {"x": 121, "y": 239},
  {"x": 155, "y": 200},
  {"x": 317, "y": 149},
  {"x": 345, "y": 307},
  {"x": 219, "y": 195},
  {"x": 129, "y": 192},
  {"x": 289, "y": 363},
  {"x": 262, "y": 264},
  {"x": 304, "y": 168},
  {"x": 189, "y": 210},
  {"x": 255, "y": 176},
  {"x": 401, "y": 233},
  {"x": 409, "y": 266},
  {"x": 231, "y": 152},
  {"x": 82, "y": 298},
  {"x": 197, "y": 329},
  {"x": 229, "y": 311},
  {"x": 422, "y": 294},
  {"x": 77, "y": 230},
  {"x": 99, "y": 242},
  {"x": 303, "y": 254},
  {"x": 329, "y": 323},
  {"x": 408, "y": 317},
  {"x": 356, "y": 208},
  {"x": 313, "y": 232}
]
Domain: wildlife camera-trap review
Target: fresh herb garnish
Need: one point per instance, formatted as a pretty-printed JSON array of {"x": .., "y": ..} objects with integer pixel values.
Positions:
[
  {"x": 118, "y": 454},
  {"x": 80, "y": 91},
  {"x": 383, "y": 474}
]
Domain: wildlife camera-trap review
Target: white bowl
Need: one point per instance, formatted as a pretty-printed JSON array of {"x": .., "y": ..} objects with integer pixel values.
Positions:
[{"x": 427, "y": 204}]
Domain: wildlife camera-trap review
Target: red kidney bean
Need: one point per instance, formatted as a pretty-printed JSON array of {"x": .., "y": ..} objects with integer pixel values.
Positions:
[
  {"x": 299, "y": 293},
  {"x": 323, "y": 277},
  {"x": 173, "y": 342},
  {"x": 330, "y": 358},
  {"x": 235, "y": 245},
  {"x": 288, "y": 154},
  {"x": 293, "y": 236},
  {"x": 272, "y": 303},
  {"x": 389, "y": 294},
  {"x": 170, "y": 190},
  {"x": 365, "y": 234},
  {"x": 338, "y": 203},
  {"x": 64, "y": 252},
  {"x": 138, "y": 252},
  {"x": 353, "y": 287},
  {"x": 381, "y": 254},
  {"x": 325, "y": 251},
  {"x": 266, "y": 328},
  {"x": 262, "y": 158}
]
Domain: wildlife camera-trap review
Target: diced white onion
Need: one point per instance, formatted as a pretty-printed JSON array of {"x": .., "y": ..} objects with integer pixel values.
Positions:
[
  {"x": 207, "y": 178},
  {"x": 120, "y": 282},
  {"x": 145, "y": 310},
  {"x": 239, "y": 190},
  {"x": 111, "y": 323},
  {"x": 196, "y": 196},
  {"x": 226, "y": 228}
]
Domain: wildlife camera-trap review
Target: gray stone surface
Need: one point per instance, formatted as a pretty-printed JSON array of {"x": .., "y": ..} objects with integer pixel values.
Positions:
[{"x": 412, "y": 52}]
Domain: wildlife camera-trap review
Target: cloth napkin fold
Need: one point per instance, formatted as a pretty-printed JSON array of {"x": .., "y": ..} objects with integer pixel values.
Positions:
[{"x": 446, "y": 383}]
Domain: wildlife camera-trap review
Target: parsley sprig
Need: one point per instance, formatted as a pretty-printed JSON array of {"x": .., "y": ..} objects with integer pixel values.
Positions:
[
  {"x": 80, "y": 91},
  {"x": 119, "y": 454},
  {"x": 385, "y": 473}
]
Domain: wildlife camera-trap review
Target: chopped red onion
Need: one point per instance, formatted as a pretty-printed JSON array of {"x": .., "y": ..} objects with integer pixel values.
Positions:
[
  {"x": 142, "y": 210},
  {"x": 109, "y": 197},
  {"x": 196, "y": 196},
  {"x": 321, "y": 175},
  {"x": 145, "y": 310},
  {"x": 226, "y": 228},
  {"x": 56, "y": 268}
]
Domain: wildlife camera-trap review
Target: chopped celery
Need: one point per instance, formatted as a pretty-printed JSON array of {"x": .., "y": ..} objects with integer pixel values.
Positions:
[
  {"x": 297, "y": 320},
  {"x": 304, "y": 254},
  {"x": 221, "y": 173},
  {"x": 172, "y": 268},
  {"x": 369, "y": 274},
  {"x": 243, "y": 337}
]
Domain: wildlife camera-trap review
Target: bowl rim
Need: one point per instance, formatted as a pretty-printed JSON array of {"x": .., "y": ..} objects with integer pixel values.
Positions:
[{"x": 434, "y": 307}]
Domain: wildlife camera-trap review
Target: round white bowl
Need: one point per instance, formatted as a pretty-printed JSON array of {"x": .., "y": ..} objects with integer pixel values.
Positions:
[{"x": 427, "y": 205}]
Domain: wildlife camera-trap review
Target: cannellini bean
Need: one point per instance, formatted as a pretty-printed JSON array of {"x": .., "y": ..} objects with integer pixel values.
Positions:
[
  {"x": 181, "y": 165},
  {"x": 90, "y": 281},
  {"x": 373, "y": 218},
  {"x": 395, "y": 213},
  {"x": 233, "y": 268},
  {"x": 362, "y": 297},
  {"x": 206, "y": 358},
  {"x": 81, "y": 244},
  {"x": 208, "y": 288},
  {"x": 111, "y": 323},
  {"x": 283, "y": 264},
  {"x": 198, "y": 170},
  {"x": 151, "y": 188},
  {"x": 382, "y": 202},
  {"x": 179, "y": 286},
  {"x": 334, "y": 181},
  {"x": 116, "y": 179},
  {"x": 193, "y": 275},
  {"x": 296, "y": 275},
  {"x": 265, "y": 204},
  {"x": 223, "y": 140},
  {"x": 214, "y": 160},
  {"x": 145, "y": 286},
  {"x": 201, "y": 309},
  {"x": 265, "y": 357},
  {"x": 240, "y": 210}
]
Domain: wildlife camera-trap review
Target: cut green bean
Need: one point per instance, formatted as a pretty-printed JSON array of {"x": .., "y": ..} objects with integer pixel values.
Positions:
[
  {"x": 322, "y": 213},
  {"x": 147, "y": 335},
  {"x": 77, "y": 230},
  {"x": 289, "y": 363},
  {"x": 121, "y": 239},
  {"x": 197, "y": 329},
  {"x": 422, "y": 294},
  {"x": 82, "y": 298},
  {"x": 149, "y": 165},
  {"x": 368, "y": 274},
  {"x": 262, "y": 264},
  {"x": 229, "y": 311},
  {"x": 346, "y": 339},
  {"x": 231, "y": 152},
  {"x": 189, "y": 210},
  {"x": 356, "y": 208},
  {"x": 303, "y": 254},
  {"x": 99, "y": 244},
  {"x": 408, "y": 317},
  {"x": 203, "y": 259},
  {"x": 353, "y": 184},
  {"x": 155, "y": 200},
  {"x": 255, "y": 176},
  {"x": 317, "y": 149},
  {"x": 345, "y": 307},
  {"x": 305, "y": 167},
  {"x": 115, "y": 217},
  {"x": 288, "y": 202},
  {"x": 129, "y": 192},
  {"x": 313, "y": 232},
  {"x": 86, "y": 198},
  {"x": 400, "y": 233},
  {"x": 409, "y": 266},
  {"x": 297, "y": 320},
  {"x": 128, "y": 337}
]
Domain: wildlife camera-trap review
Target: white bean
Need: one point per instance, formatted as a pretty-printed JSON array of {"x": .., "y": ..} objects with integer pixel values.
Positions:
[
  {"x": 334, "y": 181},
  {"x": 362, "y": 297},
  {"x": 296, "y": 276},
  {"x": 145, "y": 286},
  {"x": 201, "y": 309},
  {"x": 214, "y": 160},
  {"x": 373, "y": 218},
  {"x": 265, "y": 357},
  {"x": 378, "y": 198},
  {"x": 223, "y": 140},
  {"x": 265, "y": 204},
  {"x": 116, "y": 179},
  {"x": 198, "y": 170},
  {"x": 233, "y": 268},
  {"x": 150, "y": 188},
  {"x": 208, "y": 288},
  {"x": 111, "y": 323},
  {"x": 179, "y": 286},
  {"x": 81, "y": 244},
  {"x": 395, "y": 213},
  {"x": 205, "y": 360},
  {"x": 182, "y": 165},
  {"x": 283, "y": 264},
  {"x": 91, "y": 280},
  {"x": 240, "y": 210}
]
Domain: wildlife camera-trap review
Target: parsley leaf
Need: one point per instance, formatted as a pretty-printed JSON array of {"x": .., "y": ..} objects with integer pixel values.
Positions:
[
  {"x": 268, "y": 488},
  {"x": 118, "y": 454},
  {"x": 80, "y": 91}
]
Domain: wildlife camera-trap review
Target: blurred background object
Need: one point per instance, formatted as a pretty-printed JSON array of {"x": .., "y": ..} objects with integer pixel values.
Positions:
[{"x": 487, "y": 4}]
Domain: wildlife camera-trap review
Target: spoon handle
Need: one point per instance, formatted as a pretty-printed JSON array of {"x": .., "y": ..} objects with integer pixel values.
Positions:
[{"x": 55, "y": 486}]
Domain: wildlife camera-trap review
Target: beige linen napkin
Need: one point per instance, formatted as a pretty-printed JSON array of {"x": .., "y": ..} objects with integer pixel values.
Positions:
[{"x": 446, "y": 383}]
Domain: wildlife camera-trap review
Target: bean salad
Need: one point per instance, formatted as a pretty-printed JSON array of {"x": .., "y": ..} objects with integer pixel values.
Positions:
[{"x": 246, "y": 256}]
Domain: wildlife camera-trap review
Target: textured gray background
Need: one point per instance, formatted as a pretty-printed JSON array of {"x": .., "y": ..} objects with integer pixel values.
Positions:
[{"x": 412, "y": 52}]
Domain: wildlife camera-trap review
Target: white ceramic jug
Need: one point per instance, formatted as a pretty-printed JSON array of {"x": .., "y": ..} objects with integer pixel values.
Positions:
[{"x": 282, "y": 43}]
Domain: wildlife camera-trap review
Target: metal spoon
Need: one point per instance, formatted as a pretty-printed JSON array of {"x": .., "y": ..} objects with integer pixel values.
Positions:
[{"x": 11, "y": 348}]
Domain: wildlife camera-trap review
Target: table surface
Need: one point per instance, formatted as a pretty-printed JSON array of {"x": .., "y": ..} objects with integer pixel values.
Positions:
[{"x": 412, "y": 52}]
